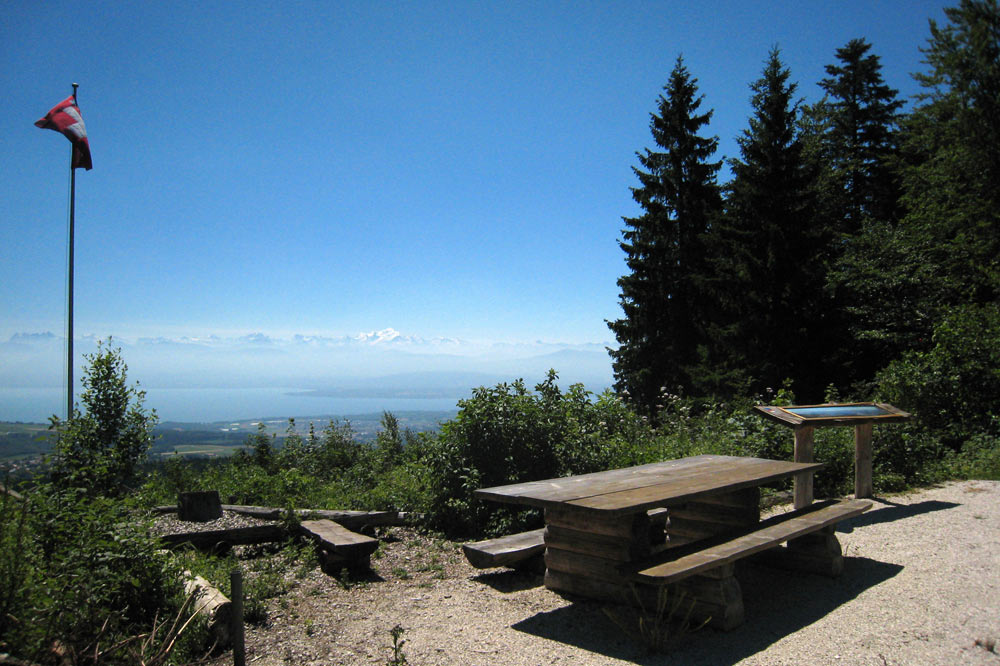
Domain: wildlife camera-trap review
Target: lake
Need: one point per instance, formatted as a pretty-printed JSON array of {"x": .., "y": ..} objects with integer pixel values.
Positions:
[{"x": 205, "y": 405}]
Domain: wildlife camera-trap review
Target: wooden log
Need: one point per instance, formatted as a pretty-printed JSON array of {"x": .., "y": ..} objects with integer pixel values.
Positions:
[
  {"x": 10, "y": 492},
  {"x": 701, "y": 519},
  {"x": 263, "y": 512},
  {"x": 350, "y": 519},
  {"x": 682, "y": 530},
  {"x": 505, "y": 551},
  {"x": 589, "y": 566},
  {"x": 620, "y": 549},
  {"x": 211, "y": 602},
  {"x": 230, "y": 537},
  {"x": 658, "y": 520},
  {"x": 199, "y": 506},
  {"x": 338, "y": 546},
  {"x": 237, "y": 627},
  {"x": 355, "y": 520},
  {"x": 804, "y": 453},
  {"x": 817, "y": 553},
  {"x": 719, "y": 602},
  {"x": 716, "y": 514},
  {"x": 629, "y": 526},
  {"x": 745, "y": 497},
  {"x": 727, "y": 570},
  {"x": 677, "y": 564},
  {"x": 590, "y": 588}
]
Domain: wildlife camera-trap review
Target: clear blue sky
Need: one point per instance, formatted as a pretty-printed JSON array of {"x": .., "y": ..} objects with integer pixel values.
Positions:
[{"x": 445, "y": 169}]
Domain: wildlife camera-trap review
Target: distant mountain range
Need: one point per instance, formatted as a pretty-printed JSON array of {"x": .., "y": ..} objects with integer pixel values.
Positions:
[{"x": 377, "y": 362}]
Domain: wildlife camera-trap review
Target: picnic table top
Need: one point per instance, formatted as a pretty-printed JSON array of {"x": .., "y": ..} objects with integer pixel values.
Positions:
[{"x": 634, "y": 489}]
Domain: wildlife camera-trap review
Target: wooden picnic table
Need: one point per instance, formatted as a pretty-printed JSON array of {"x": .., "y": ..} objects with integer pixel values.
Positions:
[{"x": 603, "y": 539}]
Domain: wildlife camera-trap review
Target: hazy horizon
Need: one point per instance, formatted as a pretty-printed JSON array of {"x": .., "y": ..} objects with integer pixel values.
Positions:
[{"x": 309, "y": 373}]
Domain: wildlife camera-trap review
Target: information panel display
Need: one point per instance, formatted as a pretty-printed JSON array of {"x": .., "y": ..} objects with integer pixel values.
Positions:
[{"x": 834, "y": 414}]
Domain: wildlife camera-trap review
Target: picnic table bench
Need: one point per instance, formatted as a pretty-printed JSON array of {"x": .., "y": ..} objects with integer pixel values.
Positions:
[
  {"x": 338, "y": 547},
  {"x": 598, "y": 530}
]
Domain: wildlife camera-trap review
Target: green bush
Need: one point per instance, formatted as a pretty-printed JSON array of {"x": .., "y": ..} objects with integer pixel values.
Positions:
[
  {"x": 507, "y": 434},
  {"x": 953, "y": 389},
  {"x": 101, "y": 449},
  {"x": 80, "y": 566},
  {"x": 18, "y": 570},
  {"x": 93, "y": 574},
  {"x": 834, "y": 447},
  {"x": 978, "y": 459}
]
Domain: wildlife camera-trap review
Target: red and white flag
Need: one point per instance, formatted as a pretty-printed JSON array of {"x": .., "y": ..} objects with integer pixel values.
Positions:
[{"x": 65, "y": 117}]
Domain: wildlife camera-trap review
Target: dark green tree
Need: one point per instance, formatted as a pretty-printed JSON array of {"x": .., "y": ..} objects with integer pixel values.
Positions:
[
  {"x": 945, "y": 251},
  {"x": 768, "y": 251},
  {"x": 850, "y": 139},
  {"x": 101, "y": 449},
  {"x": 952, "y": 184},
  {"x": 659, "y": 334},
  {"x": 860, "y": 115}
]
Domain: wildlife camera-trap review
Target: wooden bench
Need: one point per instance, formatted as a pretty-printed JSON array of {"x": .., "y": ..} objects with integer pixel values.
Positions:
[
  {"x": 339, "y": 547},
  {"x": 526, "y": 550},
  {"x": 704, "y": 571},
  {"x": 520, "y": 551},
  {"x": 677, "y": 564}
]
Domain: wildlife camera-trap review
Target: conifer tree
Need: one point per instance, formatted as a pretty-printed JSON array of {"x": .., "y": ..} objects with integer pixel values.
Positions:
[
  {"x": 945, "y": 251},
  {"x": 851, "y": 142},
  {"x": 661, "y": 328},
  {"x": 767, "y": 251},
  {"x": 860, "y": 137}
]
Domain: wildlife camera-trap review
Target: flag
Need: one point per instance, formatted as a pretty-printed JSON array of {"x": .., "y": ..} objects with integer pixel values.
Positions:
[{"x": 65, "y": 117}]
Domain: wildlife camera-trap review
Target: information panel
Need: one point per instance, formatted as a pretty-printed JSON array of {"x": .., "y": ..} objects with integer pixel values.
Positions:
[{"x": 854, "y": 413}]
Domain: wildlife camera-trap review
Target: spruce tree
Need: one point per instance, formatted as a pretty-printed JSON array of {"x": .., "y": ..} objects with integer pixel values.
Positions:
[
  {"x": 661, "y": 328},
  {"x": 767, "y": 251},
  {"x": 860, "y": 138},
  {"x": 851, "y": 142}
]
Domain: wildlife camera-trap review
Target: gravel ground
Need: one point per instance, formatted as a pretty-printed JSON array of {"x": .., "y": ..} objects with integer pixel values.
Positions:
[
  {"x": 920, "y": 586},
  {"x": 169, "y": 523}
]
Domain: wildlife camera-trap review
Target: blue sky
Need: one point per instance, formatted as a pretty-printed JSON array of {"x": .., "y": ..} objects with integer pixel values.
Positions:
[{"x": 447, "y": 170}]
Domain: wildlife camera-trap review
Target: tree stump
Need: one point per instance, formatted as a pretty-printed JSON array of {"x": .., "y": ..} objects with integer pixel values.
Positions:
[{"x": 199, "y": 506}]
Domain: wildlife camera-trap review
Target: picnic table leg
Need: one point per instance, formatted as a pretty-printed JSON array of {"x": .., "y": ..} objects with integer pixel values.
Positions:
[
  {"x": 804, "y": 454},
  {"x": 583, "y": 551},
  {"x": 863, "y": 461},
  {"x": 818, "y": 553}
]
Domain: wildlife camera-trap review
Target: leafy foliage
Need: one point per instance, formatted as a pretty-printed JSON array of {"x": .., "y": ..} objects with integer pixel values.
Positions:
[
  {"x": 507, "y": 434},
  {"x": 101, "y": 449},
  {"x": 86, "y": 576},
  {"x": 101, "y": 571},
  {"x": 953, "y": 388},
  {"x": 945, "y": 251}
]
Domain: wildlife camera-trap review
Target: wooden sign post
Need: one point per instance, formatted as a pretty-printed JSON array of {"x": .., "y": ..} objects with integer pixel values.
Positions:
[{"x": 804, "y": 419}]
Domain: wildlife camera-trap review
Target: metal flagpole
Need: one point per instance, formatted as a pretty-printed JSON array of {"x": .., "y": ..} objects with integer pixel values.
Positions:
[{"x": 69, "y": 286}]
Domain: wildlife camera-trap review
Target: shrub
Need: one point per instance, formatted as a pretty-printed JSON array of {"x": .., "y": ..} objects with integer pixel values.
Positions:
[
  {"x": 978, "y": 459},
  {"x": 17, "y": 568},
  {"x": 953, "y": 388},
  {"x": 94, "y": 575},
  {"x": 507, "y": 434},
  {"x": 80, "y": 567},
  {"x": 102, "y": 448}
]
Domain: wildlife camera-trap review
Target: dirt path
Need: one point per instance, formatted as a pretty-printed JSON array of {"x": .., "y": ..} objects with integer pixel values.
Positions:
[{"x": 921, "y": 585}]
